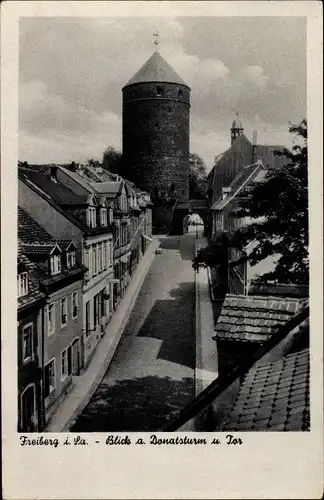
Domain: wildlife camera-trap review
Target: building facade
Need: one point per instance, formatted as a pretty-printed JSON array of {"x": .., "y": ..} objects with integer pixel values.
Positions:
[
  {"x": 84, "y": 217},
  {"x": 240, "y": 154},
  {"x": 239, "y": 276},
  {"x": 129, "y": 215},
  {"x": 30, "y": 325},
  {"x": 60, "y": 278}
]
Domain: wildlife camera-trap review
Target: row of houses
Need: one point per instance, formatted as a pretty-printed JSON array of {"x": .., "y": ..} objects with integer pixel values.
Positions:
[{"x": 81, "y": 235}]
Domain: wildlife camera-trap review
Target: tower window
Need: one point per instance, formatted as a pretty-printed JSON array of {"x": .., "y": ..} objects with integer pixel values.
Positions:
[
  {"x": 180, "y": 93},
  {"x": 159, "y": 91}
]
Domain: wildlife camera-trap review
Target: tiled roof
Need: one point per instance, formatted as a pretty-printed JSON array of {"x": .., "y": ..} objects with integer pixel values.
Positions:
[
  {"x": 267, "y": 154},
  {"x": 59, "y": 193},
  {"x": 156, "y": 69},
  {"x": 273, "y": 397},
  {"x": 47, "y": 189},
  {"x": 107, "y": 187},
  {"x": 38, "y": 248},
  {"x": 64, "y": 244},
  {"x": 34, "y": 292},
  {"x": 246, "y": 175},
  {"x": 282, "y": 289},
  {"x": 247, "y": 318},
  {"x": 29, "y": 231}
]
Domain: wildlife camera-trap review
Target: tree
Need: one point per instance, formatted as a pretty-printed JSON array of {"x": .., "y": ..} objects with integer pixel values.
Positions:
[
  {"x": 113, "y": 161},
  {"x": 278, "y": 210},
  {"x": 197, "y": 177},
  {"x": 93, "y": 163}
]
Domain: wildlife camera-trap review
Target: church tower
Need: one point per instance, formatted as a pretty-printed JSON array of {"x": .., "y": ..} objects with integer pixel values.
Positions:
[
  {"x": 156, "y": 107},
  {"x": 237, "y": 128}
]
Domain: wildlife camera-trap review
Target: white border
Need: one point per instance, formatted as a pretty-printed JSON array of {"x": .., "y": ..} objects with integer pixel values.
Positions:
[{"x": 269, "y": 465}]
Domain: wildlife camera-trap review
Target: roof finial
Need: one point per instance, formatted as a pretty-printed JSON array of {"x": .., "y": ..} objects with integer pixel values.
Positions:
[{"x": 156, "y": 41}]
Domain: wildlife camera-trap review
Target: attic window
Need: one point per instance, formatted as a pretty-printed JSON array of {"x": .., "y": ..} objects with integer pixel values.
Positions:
[
  {"x": 92, "y": 217},
  {"x": 159, "y": 91},
  {"x": 70, "y": 259},
  {"x": 55, "y": 264},
  {"x": 22, "y": 283}
]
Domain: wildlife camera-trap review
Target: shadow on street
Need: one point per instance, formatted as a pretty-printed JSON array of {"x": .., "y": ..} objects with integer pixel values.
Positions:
[
  {"x": 141, "y": 404},
  {"x": 172, "y": 321}
]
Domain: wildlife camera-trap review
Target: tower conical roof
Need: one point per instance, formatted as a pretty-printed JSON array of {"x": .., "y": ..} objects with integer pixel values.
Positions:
[{"x": 156, "y": 69}]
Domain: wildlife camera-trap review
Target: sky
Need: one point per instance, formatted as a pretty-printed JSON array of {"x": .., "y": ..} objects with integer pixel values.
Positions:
[{"x": 72, "y": 70}]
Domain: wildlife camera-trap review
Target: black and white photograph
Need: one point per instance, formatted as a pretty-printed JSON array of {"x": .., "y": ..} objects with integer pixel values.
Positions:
[
  {"x": 162, "y": 217},
  {"x": 163, "y": 225}
]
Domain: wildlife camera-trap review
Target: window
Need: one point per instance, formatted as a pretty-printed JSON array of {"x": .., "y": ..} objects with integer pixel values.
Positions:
[
  {"x": 70, "y": 259},
  {"x": 87, "y": 318},
  {"x": 180, "y": 93},
  {"x": 111, "y": 214},
  {"x": 159, "y": 91},
  {"x": 63, "y": 312},
  {"x": 49, "y": 383},
  {"x": 94, "y": 261},
  {"x": 74, "y": 305},
  {"x": 28, "y": 342},
  {"x": 87, "y": 264},
  {"x": 99, "y": 258},
  {"x": 103, "y": 215},
  {"x": 99, "y": 307},
  {"x": 50, "y": 318},
  {"x": 92, "y": 217},
  {"x": 66, "y": 363},
  {"x": 55, "y": 264},
  {"x": 22, "y": 283}
]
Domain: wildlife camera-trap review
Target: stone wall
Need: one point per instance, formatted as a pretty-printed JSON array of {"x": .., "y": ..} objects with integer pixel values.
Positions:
[{"x": 156, "y": 137}]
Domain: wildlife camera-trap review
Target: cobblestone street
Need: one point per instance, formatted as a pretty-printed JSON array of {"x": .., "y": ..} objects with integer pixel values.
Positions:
[{"x": 151, "y": 377}]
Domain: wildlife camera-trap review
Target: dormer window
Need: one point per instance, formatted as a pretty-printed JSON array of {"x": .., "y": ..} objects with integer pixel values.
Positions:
[
  {"x": 70, "y": 259},
  {"x": 159, "y": 91},
  {"x": 103, "y": 217},
  {"x": 92, "y": 217},
  {"x": 55, "y": 264},
  {"x": 22, "y": 282}
]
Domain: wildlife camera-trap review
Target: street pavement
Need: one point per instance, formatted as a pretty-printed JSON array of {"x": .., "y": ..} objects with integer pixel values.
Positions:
[{"x": 151, "y": 376}]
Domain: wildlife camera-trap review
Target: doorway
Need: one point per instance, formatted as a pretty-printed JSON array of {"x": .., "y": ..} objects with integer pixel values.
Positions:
[
  {"x": 193, "y": 224},
  {"x": 75, "y": 357},
  {"x": 28, "y": 409}
]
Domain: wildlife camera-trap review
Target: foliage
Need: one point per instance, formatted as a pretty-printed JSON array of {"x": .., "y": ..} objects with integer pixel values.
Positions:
[
  {"x": 113, "y": 161},
  {"x": 93, "y": 163},
  {"x": 214, "y": 254},
  {"x": 197, "y": 177},
  {"x": 278, "y": 210}
]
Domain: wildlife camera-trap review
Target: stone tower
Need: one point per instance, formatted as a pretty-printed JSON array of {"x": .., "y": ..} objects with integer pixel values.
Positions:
[
  {"x": 237, "y": 128},
  {"x": 156, "y": 108}
]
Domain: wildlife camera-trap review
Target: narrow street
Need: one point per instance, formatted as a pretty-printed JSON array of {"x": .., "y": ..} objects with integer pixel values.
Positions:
[{"x": 151, "y": 377}]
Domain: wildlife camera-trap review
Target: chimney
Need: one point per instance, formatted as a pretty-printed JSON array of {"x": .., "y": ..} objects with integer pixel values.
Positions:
[
  {"x": 254, "y": 144},
  {"x": 54, "y": 173},
  {"x": 225, "y": 191}
]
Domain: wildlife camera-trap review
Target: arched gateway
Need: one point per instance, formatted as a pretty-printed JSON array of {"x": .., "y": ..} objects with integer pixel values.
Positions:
[{"x": 184, "y": 208}]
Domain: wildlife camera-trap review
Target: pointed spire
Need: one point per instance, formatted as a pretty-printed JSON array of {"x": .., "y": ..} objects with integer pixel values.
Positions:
[
  {"x": 237, "y": 128},
  {"x": 156, "y": 69}
]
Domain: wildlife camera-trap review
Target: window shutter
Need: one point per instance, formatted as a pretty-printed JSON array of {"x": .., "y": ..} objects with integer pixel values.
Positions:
[{"x": 69, "y": 360}]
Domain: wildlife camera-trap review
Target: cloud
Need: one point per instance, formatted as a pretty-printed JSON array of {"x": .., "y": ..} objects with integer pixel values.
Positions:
[
  {"x": 253, "y": 74},
  {"x": 72, "y": 71}
]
